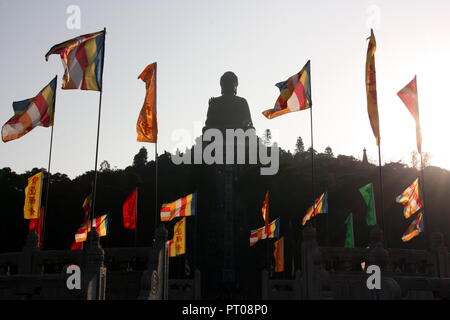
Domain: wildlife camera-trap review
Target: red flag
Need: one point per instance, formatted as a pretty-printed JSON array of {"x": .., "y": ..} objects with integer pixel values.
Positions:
[
  {"x": 76, "y": 245},
  {"x": 278, "y": 254},
  {"x": 409, "y": 97},
  {"x": 265, "y": 211},
  {"x": 129, "y": 210},
  {"x": 36, "y": 224}
]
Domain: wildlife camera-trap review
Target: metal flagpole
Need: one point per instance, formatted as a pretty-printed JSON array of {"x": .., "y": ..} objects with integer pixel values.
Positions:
[
  {"x": 156, "y": 156},
  {"x": 312, "y": 165},
  {"x": 385, "y": 237},
  {"x": 48, "y": 168},
  {"x": 94, "y": 192}
]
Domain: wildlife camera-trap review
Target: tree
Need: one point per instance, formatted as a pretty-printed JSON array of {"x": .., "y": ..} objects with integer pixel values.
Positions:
[
  {"x": 105, "y": 166},
  {"x": 267, "y": 137},
  {"x": 329, "y": 152},
  {"x": 415, "y": 163},
  {"x": 140, "y": 159},
  {"x": 299, "y": 146}
]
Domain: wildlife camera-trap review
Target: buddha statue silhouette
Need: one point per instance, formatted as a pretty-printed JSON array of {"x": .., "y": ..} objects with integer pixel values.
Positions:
[{"x": 228, "y": 111}]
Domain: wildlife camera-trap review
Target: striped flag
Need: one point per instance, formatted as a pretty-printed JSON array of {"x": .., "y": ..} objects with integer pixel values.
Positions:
[
  {"x": 30, "y": 113},
  {"x": 409, "y": 97},
  {"x": 295, "y": 94},
  {"x": 271, "y": 231},
  {"x": 182, "y": 207},
  {"x": 415, "y": 228},
  {"x": 82, "y": 58},
  {"x": 320, "y": 206},
  {"x": 100, "y": 224},
  {"x": 410, "y": 199}
]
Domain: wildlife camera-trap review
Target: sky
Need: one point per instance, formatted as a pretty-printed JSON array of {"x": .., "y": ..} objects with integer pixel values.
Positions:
[{"x": 195, "y": 42}]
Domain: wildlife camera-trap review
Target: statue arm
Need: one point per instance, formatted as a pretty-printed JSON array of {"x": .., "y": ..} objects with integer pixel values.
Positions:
[{"x": 247, "y": 116}]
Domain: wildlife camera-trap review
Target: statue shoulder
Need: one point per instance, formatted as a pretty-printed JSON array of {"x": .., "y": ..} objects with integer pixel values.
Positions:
[
  {"x": 213, "y": 100},
  {"x": 242, "y": 100}
]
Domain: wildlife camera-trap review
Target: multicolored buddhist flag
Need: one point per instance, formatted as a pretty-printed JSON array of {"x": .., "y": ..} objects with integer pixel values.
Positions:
[
  {"x": 182, "y": 207},
  {"x": 278, "y": 254},
  {"x": 295, "y": 94},
  {"x": 409, "y": 97},
  {"x": 82, "y": 58},
  {"x": 177, "y": 246},
  {"x": 371, "y": 87},
  {"x": 100, "y": 224},
  {"x": 33, "y": 193},
  {"x": 36, "y": 224},
  {"x": 76, "y": 245},
  {"x": 147, "y": 125},
  {"x": 320, "y": 206},
  {"x": 410, "y": 199},
  {"x": 30, "y": 113},
  {"x": 129, "y": 210},
  {"x": 349, "y": 237},
  {"x": 369, "y": 199},
  {"x": 415, "y": 228},
  {"x": 272, "y": 230}
]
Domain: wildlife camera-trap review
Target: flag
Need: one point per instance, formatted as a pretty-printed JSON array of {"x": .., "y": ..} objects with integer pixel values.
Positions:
[
  {"x": 272, "y": 230},
  {"x": 87, "y": 203},
  {"x": 147, "y": 125},
  {"x": 129, "y": 210},
  {"x": 182, "y": 207},
  {"x": 320, "y": 206},
  {"x": 367, "y": 194},
  {"x": 410, "y": 199},
  {"x": 100, "y": 224},
  {"x": 349, "y": 237},
  {"x": 82, "y": 58},
  {"x": 409, "y": 97},
  {"x": 414, "y": 229},
  {"x": 371, "y": 87},
  {"x": 36, "y": 224},
  {"x": 33, "y": 196},
  {"x": 177, "y": 245},
  {"x": 278, "y": 254},
  {"x": 30, "y": 113},
  {"x": 295, "y": 94},
  {"x": 76, "y": 245},
  {"x": 265, "y": 210}
]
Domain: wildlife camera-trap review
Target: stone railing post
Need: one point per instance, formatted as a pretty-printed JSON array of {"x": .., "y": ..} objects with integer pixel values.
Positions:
[
  {"x": 155, "y": 279},
  {"x": 439, "y": 256},
  {"x": 94, "y": 271},
  {"x": 26, "y": 262}
]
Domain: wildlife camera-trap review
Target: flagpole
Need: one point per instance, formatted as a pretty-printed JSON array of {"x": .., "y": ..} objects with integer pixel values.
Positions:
[
  {"x": 48, "y": 168},
  {"x": 94, "y": 193},
  {"x": 312, "y": 165},
  {"x": 385, "y": 237},
  {"x": 156, "y": 156}
]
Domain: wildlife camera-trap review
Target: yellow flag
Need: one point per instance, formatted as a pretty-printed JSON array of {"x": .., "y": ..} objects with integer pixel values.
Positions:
[
  {"x": 33, "y": 196},
  {"x": 147, "y": 125},
  {"x": 371, "y": 87},
  {"x": 179, "y": 237}
]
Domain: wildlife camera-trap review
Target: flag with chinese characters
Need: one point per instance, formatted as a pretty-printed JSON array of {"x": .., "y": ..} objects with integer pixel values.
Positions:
[
  {"x": 36, "y": 224},
  {"x": 177, "y": 245},
  {"x": 33, "y": 196},
  {"x": 272, "y": 230},
  {"x": 320, "y": 206},
  {"x": 410, "y": 199},
  {"x": 147, "y": 125},
  {"x": 129, "y": 210},
  {"x": 278, "y": 254},
  {"x": 295, "y": 94},
  {"x": 82, "y": 58},
  {"x": 409, "y": 97},
  {"x": 371, "y": 87},
  {"x": 30, "y": 113},
  {"x": 182, "y": 207},
  {"x": 415, "y": 228}
]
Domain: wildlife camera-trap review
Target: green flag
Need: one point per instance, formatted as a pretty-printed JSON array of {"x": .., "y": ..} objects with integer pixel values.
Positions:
[
  {"x": 367, "y": 194},
  {"x": 349, "y": 239}
]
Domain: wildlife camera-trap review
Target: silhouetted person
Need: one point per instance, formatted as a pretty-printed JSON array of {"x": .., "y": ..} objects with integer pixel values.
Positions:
[{"x": 228, "y": 111}]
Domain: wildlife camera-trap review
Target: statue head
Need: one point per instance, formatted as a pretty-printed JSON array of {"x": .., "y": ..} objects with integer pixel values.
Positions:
[{"x": 229, "y": 83}]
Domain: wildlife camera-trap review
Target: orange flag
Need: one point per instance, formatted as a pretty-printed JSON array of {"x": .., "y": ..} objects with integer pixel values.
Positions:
[
  {"x": 265, "y": 209},
  {"x": 147, "y": 126},
  {"x": 278, "y": 254}
]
